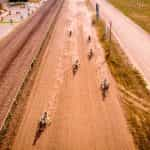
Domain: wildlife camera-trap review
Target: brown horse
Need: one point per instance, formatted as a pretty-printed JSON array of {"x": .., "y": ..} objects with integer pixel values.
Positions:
[
  {"x": 104, "y": 88},
  {"x": 90, "y": 54},
  {"x": 75, "y": 67},
  {"x": 70, "y": 33},
  {"x": 42, "y": 124}
]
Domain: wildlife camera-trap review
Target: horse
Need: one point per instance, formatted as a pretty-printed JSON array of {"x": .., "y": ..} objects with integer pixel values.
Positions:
[
  {"x": 75, "y": 67},
  {"x": 89, "y": 38},
  {"x": 70, "y": 33},
  {"x": 104, "y": 88},
  {"x": 42, "y": 124},
  {"x": 90, "y": 54}
]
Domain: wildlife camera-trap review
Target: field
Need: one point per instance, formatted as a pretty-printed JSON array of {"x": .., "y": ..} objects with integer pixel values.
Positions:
[{"x": 137, "y": 10}]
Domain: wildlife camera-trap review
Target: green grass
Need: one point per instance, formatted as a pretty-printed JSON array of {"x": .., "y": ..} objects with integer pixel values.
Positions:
[{"x": 137, "y": 10}]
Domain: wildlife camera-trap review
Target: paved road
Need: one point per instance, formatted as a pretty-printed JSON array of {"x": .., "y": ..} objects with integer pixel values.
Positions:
[
  {"x": 18, "y": 51},
  {"x": 81, "y": 120},
  {"x": 133, "y": 39}
]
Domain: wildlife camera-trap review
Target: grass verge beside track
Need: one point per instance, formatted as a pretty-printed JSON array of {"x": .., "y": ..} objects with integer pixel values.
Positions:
[{"x": 137, "y": 113}]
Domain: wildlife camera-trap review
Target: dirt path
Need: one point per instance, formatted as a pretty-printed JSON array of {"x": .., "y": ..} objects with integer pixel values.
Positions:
[{"x": 80, "y": 118}]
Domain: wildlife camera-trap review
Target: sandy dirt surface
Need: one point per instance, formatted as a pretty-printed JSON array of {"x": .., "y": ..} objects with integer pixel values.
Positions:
[
  {"x": 132, "y": 38},
  {"x": 81, "y": 119},
  {"x": 18, "y": 51}
]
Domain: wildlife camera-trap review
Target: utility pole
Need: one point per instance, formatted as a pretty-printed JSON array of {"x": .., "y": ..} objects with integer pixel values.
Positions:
[
  {"x": 110, "y": 37},
  {"x": 97, "y": 11},
  {"x": 110, "y": 32}
]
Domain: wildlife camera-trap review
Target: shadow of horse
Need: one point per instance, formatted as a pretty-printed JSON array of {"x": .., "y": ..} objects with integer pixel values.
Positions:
[{"x": 39, "y": 132}]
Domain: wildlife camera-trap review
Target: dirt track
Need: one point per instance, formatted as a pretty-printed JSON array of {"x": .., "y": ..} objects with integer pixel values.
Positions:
[
  {"x": 18, "y": 51},
  {"x": 81, "y": 120}
]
